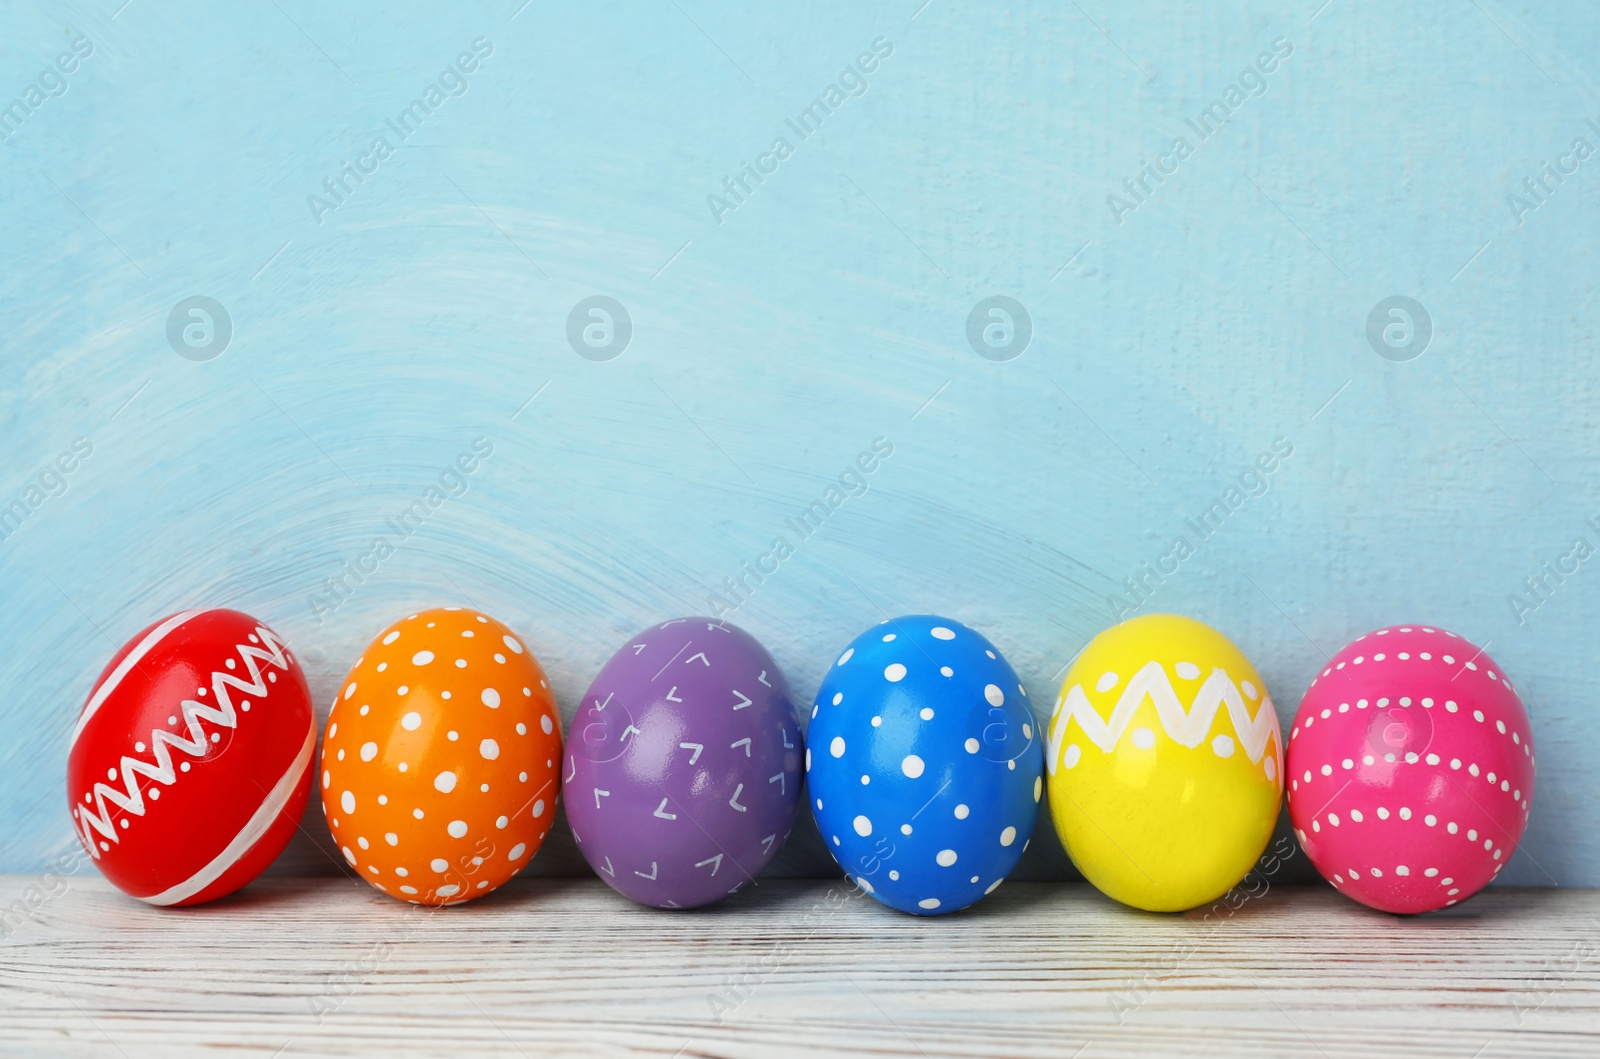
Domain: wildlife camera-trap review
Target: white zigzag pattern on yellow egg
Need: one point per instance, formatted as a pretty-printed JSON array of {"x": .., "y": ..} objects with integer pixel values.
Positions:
[{"x": 1186, "y": 727}]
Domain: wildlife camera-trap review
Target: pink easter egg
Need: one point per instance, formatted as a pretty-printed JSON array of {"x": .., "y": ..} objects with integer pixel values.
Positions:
[{"x": 1410, "y": 769}]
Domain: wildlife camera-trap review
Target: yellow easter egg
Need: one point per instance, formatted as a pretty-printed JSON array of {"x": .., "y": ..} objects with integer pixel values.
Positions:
[{"x": 1165, "y": 763}]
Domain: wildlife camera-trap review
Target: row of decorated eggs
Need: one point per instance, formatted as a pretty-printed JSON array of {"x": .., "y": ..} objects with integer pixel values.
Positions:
[{"x": 1409, "y": 769}]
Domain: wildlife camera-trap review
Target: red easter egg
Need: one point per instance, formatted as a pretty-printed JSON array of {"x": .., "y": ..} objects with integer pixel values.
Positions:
[
  {"x": 187, "y": 773},
  {"x": 1411, "y": 770}
]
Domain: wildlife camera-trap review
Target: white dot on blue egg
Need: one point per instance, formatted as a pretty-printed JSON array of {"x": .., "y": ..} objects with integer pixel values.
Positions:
[
  {"x": 1008, "y": 836},
  {"x": 848, "y": 651},
  {"x": 862, "y": 825},
  {"x": 918, "y": 882},
  {"x": 888, "y": 637}
]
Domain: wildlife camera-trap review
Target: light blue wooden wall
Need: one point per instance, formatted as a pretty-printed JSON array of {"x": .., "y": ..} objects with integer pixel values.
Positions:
[{"x": 772, "y": 342}]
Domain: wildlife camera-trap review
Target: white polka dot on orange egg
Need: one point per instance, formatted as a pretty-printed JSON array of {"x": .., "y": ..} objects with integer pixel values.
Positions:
[{"x": 428, "y": 764}]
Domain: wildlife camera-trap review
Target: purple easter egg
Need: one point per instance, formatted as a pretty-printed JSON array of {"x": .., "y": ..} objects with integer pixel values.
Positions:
[{"x": 683, "y": 764}]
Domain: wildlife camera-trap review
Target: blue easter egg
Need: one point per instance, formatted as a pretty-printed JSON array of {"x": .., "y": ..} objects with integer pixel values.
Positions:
[{"x": 924, "y": 764}]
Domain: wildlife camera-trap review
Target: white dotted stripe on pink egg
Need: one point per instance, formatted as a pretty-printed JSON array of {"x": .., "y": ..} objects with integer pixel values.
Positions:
[
  {"x": 1405, "y": 814},
  {"x": 1465, "y": 663},
  {"x": 1432, "y": 759},
  {"x": 1338, "y": 878},
  {"x": 1424, "y": 656}
]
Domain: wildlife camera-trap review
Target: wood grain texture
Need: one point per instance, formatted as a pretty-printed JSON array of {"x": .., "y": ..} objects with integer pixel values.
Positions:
[
  {"x": 771, "y": 344},
  {"x": 318, "y": 967}
]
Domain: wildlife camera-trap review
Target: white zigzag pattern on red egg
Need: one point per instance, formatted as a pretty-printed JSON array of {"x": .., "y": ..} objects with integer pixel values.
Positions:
[
  {"x": 131, "y": 799},
  {"x": 1188, "y": 728}
]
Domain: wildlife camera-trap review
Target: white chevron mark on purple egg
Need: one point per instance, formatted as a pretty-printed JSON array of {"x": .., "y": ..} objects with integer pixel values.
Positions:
[
  {"x": 598, "y": 793},
  {"x": 609, "y": 869},
  {"x": 696, "y": 683}
]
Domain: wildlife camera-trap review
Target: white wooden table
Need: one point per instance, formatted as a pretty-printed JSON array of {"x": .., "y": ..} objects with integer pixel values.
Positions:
[{"x": 564, "y": 966}]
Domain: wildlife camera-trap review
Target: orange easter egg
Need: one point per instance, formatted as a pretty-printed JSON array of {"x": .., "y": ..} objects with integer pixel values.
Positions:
[{"x": 441, "y": 759}]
